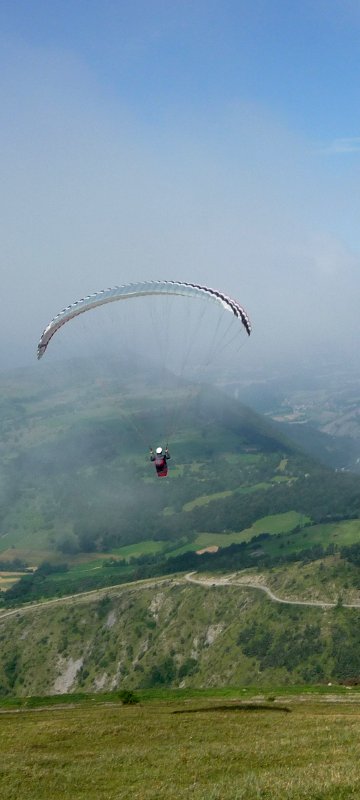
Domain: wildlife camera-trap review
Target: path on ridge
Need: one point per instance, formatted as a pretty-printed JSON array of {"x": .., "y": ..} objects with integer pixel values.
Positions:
[{"x": 233, "y": 580}]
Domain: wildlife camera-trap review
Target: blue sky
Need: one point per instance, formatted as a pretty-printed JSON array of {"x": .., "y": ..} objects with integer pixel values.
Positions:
[
  {"x": 299, "y": 59},
  {"x": 218, "y": 141}
]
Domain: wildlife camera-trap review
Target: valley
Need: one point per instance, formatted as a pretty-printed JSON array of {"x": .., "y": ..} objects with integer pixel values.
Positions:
[{"x": 246, "y": 555}]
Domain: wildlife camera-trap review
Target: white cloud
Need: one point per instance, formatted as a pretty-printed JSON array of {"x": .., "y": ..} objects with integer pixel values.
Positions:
[{"x": 342, "y": 145}]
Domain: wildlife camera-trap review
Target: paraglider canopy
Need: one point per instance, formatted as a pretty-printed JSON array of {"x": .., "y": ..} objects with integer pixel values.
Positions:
[{"x": 138, "y": 290}]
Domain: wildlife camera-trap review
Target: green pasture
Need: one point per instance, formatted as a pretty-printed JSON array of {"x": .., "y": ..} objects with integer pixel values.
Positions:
[
  {"x": 147, "y": 547},
  {"x": 278, "y": 523},
  {"x": 88, "y": 571},
  {"x": 345, "y": 532},
  {"x": 273, "y": 524},
  {"x": 205, "y": 499},
  {"x": 100, "y": 561},
  {"x": 82, "y": 570},
  {"x": 217, "y": 747}
]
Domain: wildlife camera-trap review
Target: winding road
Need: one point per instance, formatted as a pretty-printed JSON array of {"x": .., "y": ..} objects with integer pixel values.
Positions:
[
  {"x": 169, "y": 580},
  {"x": 231, "y": 580}
]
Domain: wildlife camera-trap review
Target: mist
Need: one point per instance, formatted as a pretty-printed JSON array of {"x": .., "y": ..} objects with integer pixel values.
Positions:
[{"x": 226, "y": 193}]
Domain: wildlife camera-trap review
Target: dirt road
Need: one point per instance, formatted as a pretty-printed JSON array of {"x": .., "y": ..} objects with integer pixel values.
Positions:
[
  {"x": 206, "y": 583},
  {"x": 234, "y": 580}
]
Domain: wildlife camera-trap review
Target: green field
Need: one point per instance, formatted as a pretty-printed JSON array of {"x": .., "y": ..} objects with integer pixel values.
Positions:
[
  {"x": 94, "y": 563},
  {"x": 273, "y": 524},
  {"x": 205, "y": 499},
  {"x": 341, "y": 533},
  {"x": 280, "y": 526},
  {"x": 147, "y": 547},
  {"x": 227, "y": 746}
]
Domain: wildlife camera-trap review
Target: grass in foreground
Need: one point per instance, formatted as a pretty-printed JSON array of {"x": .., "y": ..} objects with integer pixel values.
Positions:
[{"x": 148, "y": 752}]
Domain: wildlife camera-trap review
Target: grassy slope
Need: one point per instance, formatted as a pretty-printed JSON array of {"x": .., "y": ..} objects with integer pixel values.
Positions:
[{"x": 222, "y": 751}]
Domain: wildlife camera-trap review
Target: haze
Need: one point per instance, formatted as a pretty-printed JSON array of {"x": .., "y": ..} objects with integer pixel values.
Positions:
[{"x": 201, "y": 141}]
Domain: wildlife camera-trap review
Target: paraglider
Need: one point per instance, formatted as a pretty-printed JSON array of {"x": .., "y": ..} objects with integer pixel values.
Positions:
[
  {"x": 160, "y": 458},
  {"x": 148, "y": 289}
]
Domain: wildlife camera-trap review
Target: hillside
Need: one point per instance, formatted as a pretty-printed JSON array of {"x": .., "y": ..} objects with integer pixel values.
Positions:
[
  {"x": 177, "y": 633},
  {"x": 75, "y": 476}
]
